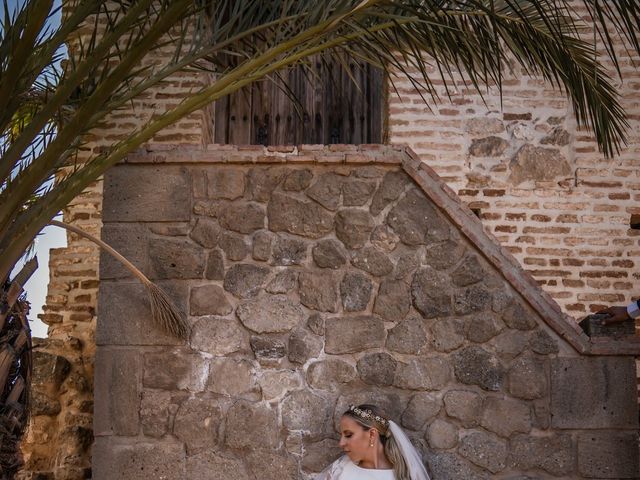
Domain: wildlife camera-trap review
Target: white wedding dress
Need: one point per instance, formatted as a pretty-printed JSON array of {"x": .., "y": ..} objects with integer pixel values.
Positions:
[{"x": 345, "y": 469}]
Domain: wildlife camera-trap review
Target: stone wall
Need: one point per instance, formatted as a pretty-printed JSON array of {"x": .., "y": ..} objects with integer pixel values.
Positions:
[{"x": 318, "y": 277}]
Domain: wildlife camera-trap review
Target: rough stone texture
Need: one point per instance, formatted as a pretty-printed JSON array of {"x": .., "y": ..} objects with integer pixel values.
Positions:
[
  {"x": 444, "y": 255},
  {"x": 174, "y": 371},
  {"x": 274, "y": 383},
  {"x": 233, "y": 377},
  {"x": 210, "y": 465},
  {"x": 270, "y": 314},
  {"x": 243, "y": 417},
  {"x": 475, "y": 366},
  {"x": 176, "y": 258},
  {"x": 356, "y": 193},
  {"x": 234, "y": 246},
  {"x": 303, "y": 345},
  {"x": 284, "y": 282},
  {"x": 320, "y": 454},
  {"x": 421, "y": 408},
  {"x": 209, "y": 300},
  {"x": 269, "y": 465},
  {"x": 287, "y": 214},
  {"x": 408, "y": 336},
  {"x": 505, "y": 416},
  {"x": 383, "y": 238},
  {"x": 518, "y": 317},
  {"x": 196, "y": 423},
  {"x": 430, "y": 293},
  {"x": 318, "y": 291},
  {"x": 416, "y": 220},
  {"x": 423, "y": 374},
  {"x": 469, "y": 272},
  {"x": 326, "y": 190},
  {"x": 303, "y": 410},
  {"x": 329, "y": 254},
  {"x": 463, "y": 405},
  {"x": 372, "y": 261},
  {"x": 315, "y": 323},
  {"x": 554, "y": 454},
  {"x": 484, "y": 126},
  {"x": 289, "y": 251},
  {"x": 485, "y": 450},
  {"x": 377, "y": 369},
  {"x": 329, "y": 374},
  {"x": 393, "y": 300},
  {"x": 527, "y": 378},
  {"x": 509, "y": 343},
  {"x": 539, "y": 164},
  {"x": 245, "y": 280},
  {"x": 263, "y": 181},
  {"x": 541, "y": 342},
  {"x": 268, "y": 348},
  {"x": 154, "y": 412},
  {"x": 442, "y": 435},
  {"x": 482, "y": 327},
  {"x": 353, "y": 227},
  {"x": 447, "y": 334},
  {"x": 353, "y": 334},
  {"x": 448, "y": 466},
  {"x": 355, "y": 291},
  {"x": 215, "y": 266},
  {"x": 558, "y": 136},
  {"x": 206, "y": 232},
  {"x": 297, "y": 180},
  {"x": 262, "y": 246},
  {"x": 608, "y": 455},
  {"x": 488, "y": 147},
  {"x": 218, "y": 336},
  {"x": 391, "y": 187},
  {"x": 599, "y": 403},
  {"x": 473, "y": 299},
  {"x": 225, "y": 183},
  {"x": 242, "y": 217}
]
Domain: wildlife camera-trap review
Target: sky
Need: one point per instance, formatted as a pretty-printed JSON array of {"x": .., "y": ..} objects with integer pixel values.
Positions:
[{"x": 50, "y": 237}]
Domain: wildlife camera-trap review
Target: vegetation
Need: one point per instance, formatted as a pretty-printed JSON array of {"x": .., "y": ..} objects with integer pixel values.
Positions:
[{"x": 48, "y": 108}]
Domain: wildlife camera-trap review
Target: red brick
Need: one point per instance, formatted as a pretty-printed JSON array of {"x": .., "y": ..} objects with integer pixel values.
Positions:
[
  {"x": 572, "y": 262},
  {"x": 570, "y": 283},
  {"x": 493, "y": 192},
  {"x": 547, "y": 230},
  {"x": 506, "y": 228},
  {"x": 567, "y": 218},
  {"x": 540, "y": 218},
  {"x": 619, "y": 196},
  {"x": 515, "y": 216},
  {"x": 535, "y": 261},
  {"x": 603, "y": 274},
  {"x": 623, "y": 263},
  {"x": 575, "y": 307}
]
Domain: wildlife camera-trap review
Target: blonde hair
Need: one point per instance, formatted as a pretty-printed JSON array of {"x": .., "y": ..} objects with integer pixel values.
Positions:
[{"x": 391, "y": 448}]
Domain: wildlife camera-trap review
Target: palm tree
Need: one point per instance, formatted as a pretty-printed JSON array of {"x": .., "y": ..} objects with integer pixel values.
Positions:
[{"x": 47, "y": 108}]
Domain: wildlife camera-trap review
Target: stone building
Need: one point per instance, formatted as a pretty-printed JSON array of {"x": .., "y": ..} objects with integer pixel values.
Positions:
[{"x": 566, "y": 215}]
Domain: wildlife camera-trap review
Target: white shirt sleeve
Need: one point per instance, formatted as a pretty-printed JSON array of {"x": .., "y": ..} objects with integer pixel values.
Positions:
[{"x": 633, "y": 309}]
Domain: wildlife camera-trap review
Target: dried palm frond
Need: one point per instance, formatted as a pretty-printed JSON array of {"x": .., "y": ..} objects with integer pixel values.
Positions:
[{"x": 163, "y": 311}]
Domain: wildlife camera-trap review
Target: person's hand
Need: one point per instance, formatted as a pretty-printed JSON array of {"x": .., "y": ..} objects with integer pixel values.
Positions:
[{"x": 616, "y": 315}]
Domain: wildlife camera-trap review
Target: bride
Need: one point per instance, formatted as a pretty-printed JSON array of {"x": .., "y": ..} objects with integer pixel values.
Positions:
[{"x": 376, "y": 449}]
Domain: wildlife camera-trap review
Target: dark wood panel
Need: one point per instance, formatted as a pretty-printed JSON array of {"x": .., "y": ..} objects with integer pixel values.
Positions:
[{"x": 332, "y": 105}]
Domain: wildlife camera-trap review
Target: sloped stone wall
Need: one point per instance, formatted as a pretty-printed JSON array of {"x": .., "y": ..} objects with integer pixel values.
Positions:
[{"x": 315, "y": 278}]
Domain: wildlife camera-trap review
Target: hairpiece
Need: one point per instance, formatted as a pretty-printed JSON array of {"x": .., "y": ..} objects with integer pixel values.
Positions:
[{"x": 369, "y": 415}]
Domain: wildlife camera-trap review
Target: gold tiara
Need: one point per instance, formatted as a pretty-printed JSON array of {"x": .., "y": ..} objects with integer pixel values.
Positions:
[{"x": 369, "y": 415}]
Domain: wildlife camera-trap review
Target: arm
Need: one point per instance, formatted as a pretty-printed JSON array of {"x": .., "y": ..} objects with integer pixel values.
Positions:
[{"x": 620, "y": 314}]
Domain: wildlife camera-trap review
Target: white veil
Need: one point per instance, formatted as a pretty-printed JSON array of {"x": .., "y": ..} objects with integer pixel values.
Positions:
[{"x": 411, "y": 456}]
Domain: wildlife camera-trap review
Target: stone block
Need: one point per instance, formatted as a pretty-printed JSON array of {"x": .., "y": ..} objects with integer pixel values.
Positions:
[
  {"x": 421, "y": 408},
  {"x": 206, "y": 232},
  {"x": 242, "y": 217},
  {"x": 543, "y": 343},
  {"x": 329, "y": 254},
  {"x": 505, "y": 416},
  {"x": 485, "y": 450},
  {"x": 304, "y": 410},
  {"x": 289, "y": 251},
  {"x": 270, "y": 314},
  {"x": 442, "y": 435},
  {"x": 509, "y": 343},
  {"x": 262, "y": 181},
  {"x": 49, "y": 370},
  {"x": 131, "y": 241},
  {"x": 285, "y": 281},
  {"x": 116, "y": 392},
  {"x": 276, "y": 383},
  {"x": 516, "y": 316},
  {"x": 482, "y": 327},
  {"x": 377, "y": 369},
  {"x": 476, "y": 366},
  {"x": 155, "y": 408},
  {"x": 473, "y": 299},
  {"x": 287, "y": 214},
  {"x": 234, "y": 246},
  {"x": 527, "y": 378},
  {"x": 326, "y": 190},
  {"x": 408, "y": 336},
  {"x": 244, "y": 419},
  {"x": 318, "y": 291},
  {"x": 431, "y": 373},
  {"x": 469, "y": 272},
  {"x": 268, "y": 348},
  {"x": 464, "y": 405},
  {"x": 353, "y": 334},
  {"x": 444, "y": 255},
  {"x": 137, "y": 460},
  {"x": 595, "y": 392},
  {"x": 353, "y": 227},
  {"x": 218, "y": 336},
  {"x": 393, "y": 300},
  {"x": 488, "y": 147},
  {"x": 303, "y": 345},
  {"x": 125, "y": 314},
  {"x": 270, "y": 465},
  {"x": 356, "y": 192},
  {"x": 355, "y": 291},
  {"x": 297, "y": 180},
  {"x": 212, "y": 465},
  {"x": 538, "y": 164},
  {"x": 431, "y": 293},
  {"x": 447, "y": 334},
  {"x": 225, "y": 183},
  {"x": 209, "y": 300},
  {"x": 330, "y": 374},
  {"x": 215, "y": 265},
  {"x": 147, "y": 193},
  {"x": 197, "y": 423},
  {"x": 174, "y": 370},
  {"x": 417, "y": 221},
  {"x": 392, "y": 186},
  {"x": 554, "y": 454},
  {"x": 449, "y": 466},
  {"x": 176, "y": 258},
  {"x": 609, "y": 455},
  {"x": 484, "y": 126},
  {"x": 42, "y": 404},
  {"x": 372, "y": 261},
  {"x": 261, "y": 246},
  {"x": 234, "y": 377},
  {"x": 245, "y": 280},
  {"x": 318, "y": 455},
  {"x": 383, "y": 238}
]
